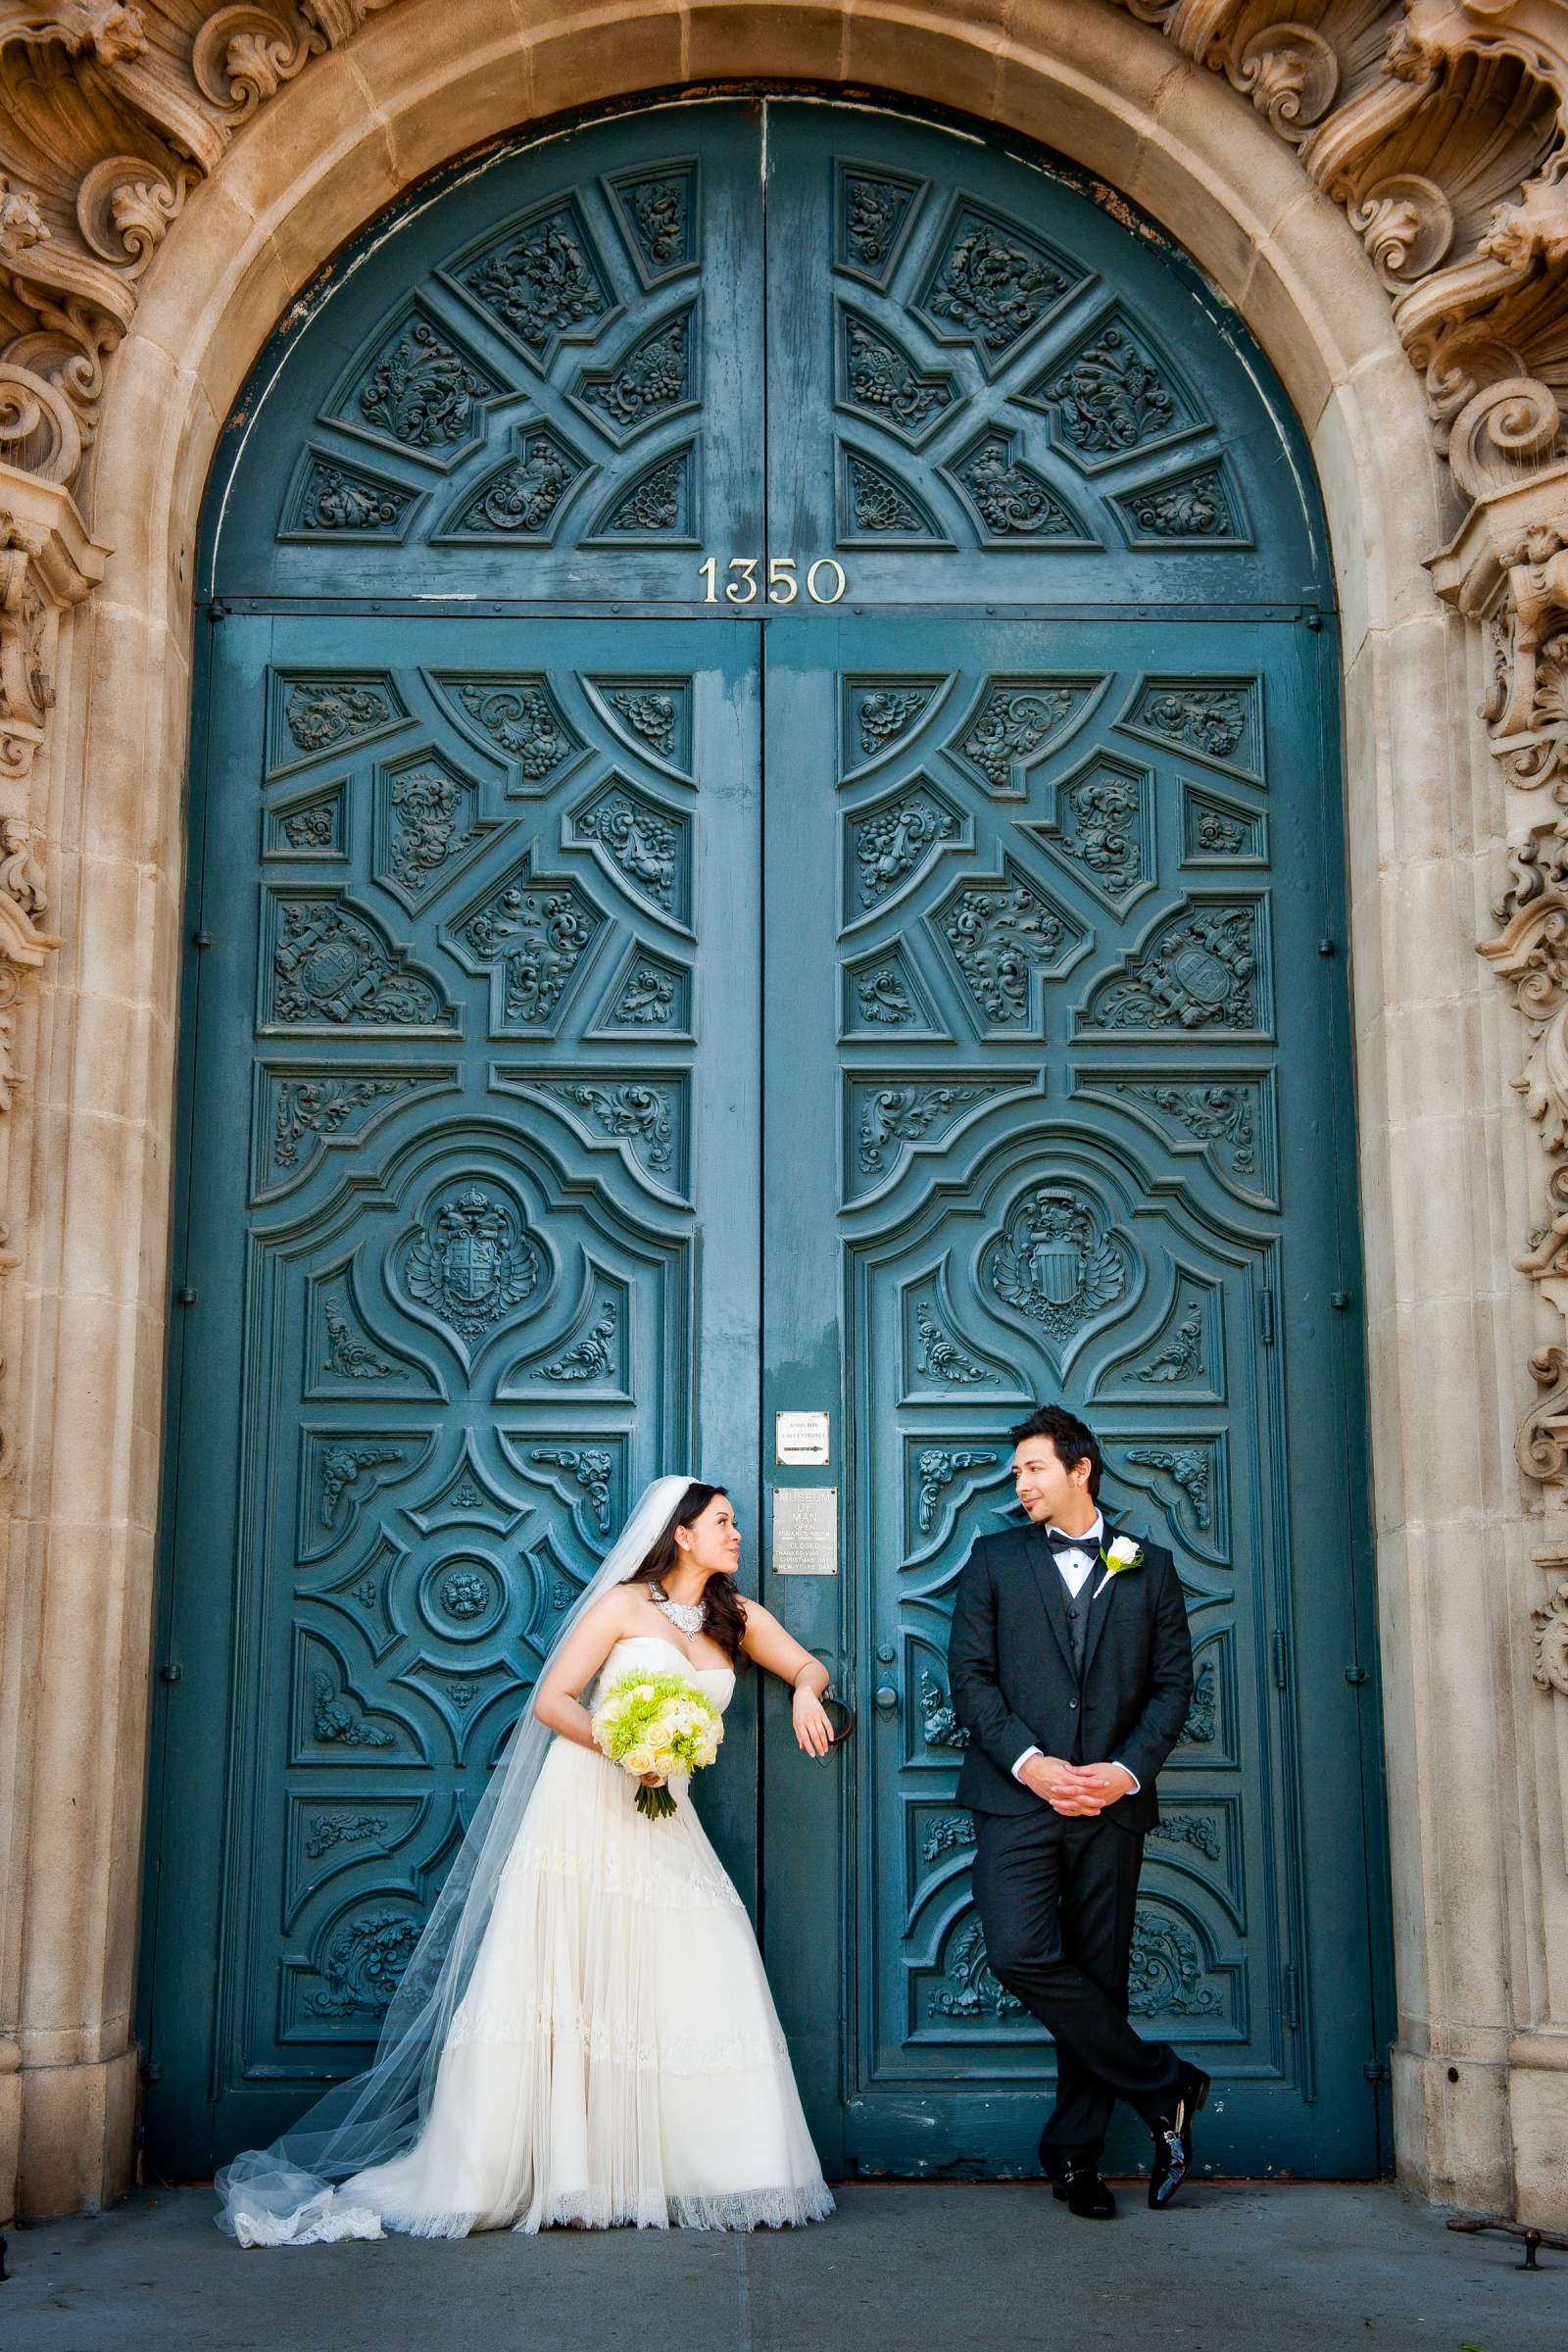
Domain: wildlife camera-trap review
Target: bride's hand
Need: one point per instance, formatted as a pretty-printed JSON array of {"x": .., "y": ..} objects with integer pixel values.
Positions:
[
  {"x": 813, "y": 1728},
  {"x": 653, "y": 1779}
]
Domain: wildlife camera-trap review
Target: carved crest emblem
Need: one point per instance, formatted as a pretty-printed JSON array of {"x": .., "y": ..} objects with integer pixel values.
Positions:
[
  {"x": 1054, "y": 1263},
  {"x": 472, "y": 1263}
]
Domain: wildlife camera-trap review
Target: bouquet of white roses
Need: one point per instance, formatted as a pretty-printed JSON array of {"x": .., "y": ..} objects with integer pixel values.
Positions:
[{"x": 657, "y": 1723}]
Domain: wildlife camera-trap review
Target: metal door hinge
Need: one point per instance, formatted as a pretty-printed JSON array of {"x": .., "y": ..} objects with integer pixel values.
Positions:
[
  {"x": 185, "y": 1297},
  {"x": 168, "y": 1672},
  {"x": 1280, "y": 1654},
  {"x": 1376, "y": 2073},
  {"x": 201, "y": 939},
  {"x": 1355, "y": 1676}
]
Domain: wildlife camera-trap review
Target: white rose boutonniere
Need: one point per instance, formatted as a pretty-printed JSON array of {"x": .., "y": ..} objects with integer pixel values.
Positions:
[{"x": 1123, "y": 1554}]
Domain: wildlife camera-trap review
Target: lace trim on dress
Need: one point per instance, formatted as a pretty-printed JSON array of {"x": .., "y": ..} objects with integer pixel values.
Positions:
[
  {"x": 641, "y": 2208},
  {"x": 615, "y": 2043},
  {"x": 663, "y": 1889},
  {"x": 650, "y": 2209}
]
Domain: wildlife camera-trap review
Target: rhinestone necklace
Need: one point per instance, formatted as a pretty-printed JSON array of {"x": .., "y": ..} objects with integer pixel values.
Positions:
[{"x": 689, "y": 1615}]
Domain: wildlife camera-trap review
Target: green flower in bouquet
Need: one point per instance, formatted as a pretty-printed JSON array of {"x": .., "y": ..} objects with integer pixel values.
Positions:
[{"x": 657, "y": 1723}]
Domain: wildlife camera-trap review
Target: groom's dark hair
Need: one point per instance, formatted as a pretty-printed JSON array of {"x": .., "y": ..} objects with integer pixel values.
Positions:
[{"x": 1074, "y": 1441}]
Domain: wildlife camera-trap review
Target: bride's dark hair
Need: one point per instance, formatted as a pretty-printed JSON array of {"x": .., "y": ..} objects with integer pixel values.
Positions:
[{"x": 725, "y": 1618}]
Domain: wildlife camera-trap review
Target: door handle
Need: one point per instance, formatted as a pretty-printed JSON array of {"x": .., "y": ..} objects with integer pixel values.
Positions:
[{"x": 885, "y": 1699}]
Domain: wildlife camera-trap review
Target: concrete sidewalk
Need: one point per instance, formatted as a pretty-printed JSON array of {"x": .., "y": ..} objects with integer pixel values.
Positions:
[{"x": 1233, "y": 2267}]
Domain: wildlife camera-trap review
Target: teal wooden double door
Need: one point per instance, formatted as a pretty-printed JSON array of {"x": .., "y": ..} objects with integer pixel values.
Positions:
[{"x": 765, "y": 838}]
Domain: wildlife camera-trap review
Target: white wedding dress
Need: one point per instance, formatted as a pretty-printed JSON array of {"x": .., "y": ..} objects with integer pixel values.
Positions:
[{"x": 615, "y": 2056}]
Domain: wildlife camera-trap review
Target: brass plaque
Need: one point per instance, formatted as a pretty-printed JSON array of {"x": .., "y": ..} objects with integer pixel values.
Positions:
[{"x": 805, "y": 1531}]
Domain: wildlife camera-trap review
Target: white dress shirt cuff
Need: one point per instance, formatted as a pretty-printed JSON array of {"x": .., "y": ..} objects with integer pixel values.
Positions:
[
  {"x": 1137, "y": 1783},
  {"x": 1017, "y": 1770}
]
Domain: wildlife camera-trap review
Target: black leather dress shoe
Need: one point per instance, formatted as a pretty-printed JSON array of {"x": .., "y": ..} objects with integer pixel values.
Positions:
[
  {"x": 1173, "y": 2139},
  {"x": 1081, "y": 2190}
]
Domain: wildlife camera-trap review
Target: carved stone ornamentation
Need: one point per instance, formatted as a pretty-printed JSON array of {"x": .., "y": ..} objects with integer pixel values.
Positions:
[{"x": 1551, "y": 1642}]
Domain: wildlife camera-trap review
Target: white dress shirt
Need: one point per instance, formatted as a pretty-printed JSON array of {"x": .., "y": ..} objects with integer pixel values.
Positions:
[{"x": 1077, "y": 1559}]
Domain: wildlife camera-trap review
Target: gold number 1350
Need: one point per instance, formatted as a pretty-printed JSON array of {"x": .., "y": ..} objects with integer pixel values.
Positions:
[{"x": 825, "y": 583}]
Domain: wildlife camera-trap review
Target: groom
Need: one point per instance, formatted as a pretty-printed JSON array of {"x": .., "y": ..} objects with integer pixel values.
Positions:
[{"x": 1072, "y": 1674}]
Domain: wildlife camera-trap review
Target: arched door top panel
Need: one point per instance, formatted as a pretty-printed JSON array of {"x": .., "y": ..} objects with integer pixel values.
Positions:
[{"x": 812, "y": 331}]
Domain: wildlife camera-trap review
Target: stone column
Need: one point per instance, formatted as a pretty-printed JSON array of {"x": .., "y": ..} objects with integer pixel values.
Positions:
[
  {"x": 1506, "y": 569},
  {"x": 66, "y": 2072}
]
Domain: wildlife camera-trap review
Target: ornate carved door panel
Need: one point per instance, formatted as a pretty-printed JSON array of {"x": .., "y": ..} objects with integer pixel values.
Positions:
[
  {"x": 1060, "y": 891},
  {"x": 449, "y": 1309},
  {"x": 479, "y": 1198}
]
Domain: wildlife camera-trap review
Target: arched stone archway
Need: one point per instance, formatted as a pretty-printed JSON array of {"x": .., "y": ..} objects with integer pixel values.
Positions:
[{"x": 1475, "y": 1757}]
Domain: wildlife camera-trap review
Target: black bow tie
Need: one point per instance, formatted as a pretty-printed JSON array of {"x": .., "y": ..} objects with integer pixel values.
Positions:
[{"x": 1060, "y": 1540}]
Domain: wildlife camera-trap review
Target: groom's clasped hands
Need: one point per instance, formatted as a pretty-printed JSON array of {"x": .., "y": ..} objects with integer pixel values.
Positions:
[{"x": 1075, "y": 1789}]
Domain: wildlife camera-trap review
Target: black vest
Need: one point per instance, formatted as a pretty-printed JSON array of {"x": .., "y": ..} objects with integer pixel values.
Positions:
[{"x": 1077, "y": 1607}]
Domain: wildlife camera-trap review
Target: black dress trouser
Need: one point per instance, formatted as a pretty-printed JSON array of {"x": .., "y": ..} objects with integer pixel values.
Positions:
[{"x": 1056, "y": 1897}]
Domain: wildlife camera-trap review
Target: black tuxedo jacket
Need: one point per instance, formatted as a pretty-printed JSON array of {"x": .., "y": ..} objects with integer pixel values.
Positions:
[{"x": 1014, "y": 1686}]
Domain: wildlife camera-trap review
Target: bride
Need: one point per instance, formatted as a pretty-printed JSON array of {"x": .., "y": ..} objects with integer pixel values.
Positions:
[{"x": 584, "y": 2033}]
